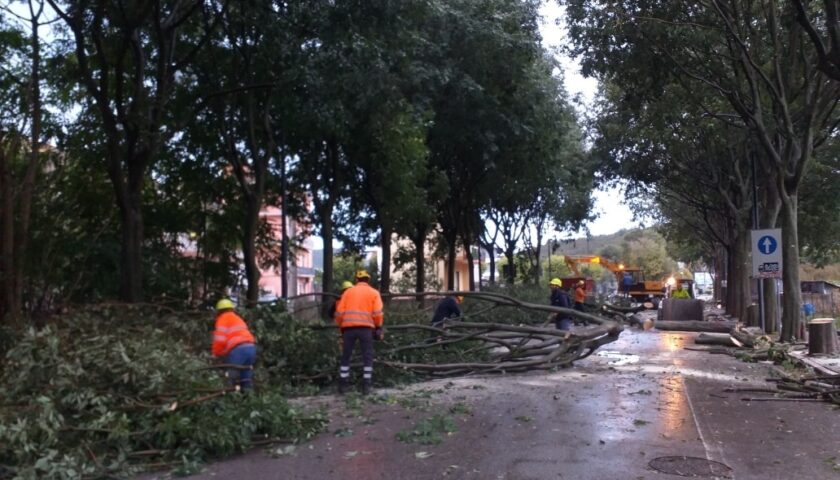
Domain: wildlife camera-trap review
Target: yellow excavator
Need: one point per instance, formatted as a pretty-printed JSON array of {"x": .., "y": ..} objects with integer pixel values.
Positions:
[{"x": 631, "y": 281}]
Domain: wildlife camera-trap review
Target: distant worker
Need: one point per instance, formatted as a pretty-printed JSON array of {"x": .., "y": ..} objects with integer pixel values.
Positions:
[
  {"x": 580, "y": 297},
  {"x": 682, "y": 292},
  {"x": 626, "y": 283},
  {"x": 234, "y": 344},
  {"x": 344, "y": 286},
  {"x": 359, "y": 317},
  {"x": 448, "y": 307},
  {"x": 559, "y": 298}
]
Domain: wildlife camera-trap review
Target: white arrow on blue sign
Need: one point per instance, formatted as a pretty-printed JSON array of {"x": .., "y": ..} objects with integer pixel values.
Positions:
[{"x": 767, "y": 253}]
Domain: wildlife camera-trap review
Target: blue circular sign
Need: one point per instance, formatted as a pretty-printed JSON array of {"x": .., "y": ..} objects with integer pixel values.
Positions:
[{"x": 767, "y": 245}]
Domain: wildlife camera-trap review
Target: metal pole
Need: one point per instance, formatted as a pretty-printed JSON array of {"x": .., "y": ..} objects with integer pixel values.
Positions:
[{"x": 755, "y": 226}]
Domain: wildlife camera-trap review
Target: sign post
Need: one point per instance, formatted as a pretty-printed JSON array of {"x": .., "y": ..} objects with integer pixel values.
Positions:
[{"x": 766, "y": 257}]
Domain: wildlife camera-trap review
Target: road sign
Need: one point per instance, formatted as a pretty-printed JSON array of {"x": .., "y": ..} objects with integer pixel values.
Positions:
[{"x": 767, "y": 253}]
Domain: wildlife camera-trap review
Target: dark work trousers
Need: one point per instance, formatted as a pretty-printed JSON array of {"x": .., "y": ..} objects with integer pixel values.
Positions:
[
  {"x": 579, "y": 307},
  {"x": 349, "y": 337}
]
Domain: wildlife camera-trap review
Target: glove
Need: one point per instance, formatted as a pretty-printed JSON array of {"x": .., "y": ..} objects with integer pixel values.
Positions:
[{"x": 378, "y": 334}]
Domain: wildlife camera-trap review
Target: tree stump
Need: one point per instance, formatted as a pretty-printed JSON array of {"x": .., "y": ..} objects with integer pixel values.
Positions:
[
  {"x": 822, "y": 337},
  {"x": 681, "y": 309}
]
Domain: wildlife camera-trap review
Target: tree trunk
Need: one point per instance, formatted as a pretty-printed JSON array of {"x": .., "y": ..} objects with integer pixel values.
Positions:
[
  {"x": 738, "y": 283},
  {"x": 28, "y": 187},
  {"x": 420, "y": 258},
  {"x": 470, "y": 269},
  {"x": 510, "y": 275},
  {"x": 538, "y": 251},
  {"x": 385, "y": 273},
  {"x": 131, "y": 281},
  {"x": 249, "y": 250},
  {"x": 8, "y": 307},
  {"x": 791, "y": 303},
  {"x": 492, "y": 265},
  {"x": 327, "y": 234},
  {"x": 284, "y": 231},
  {"x": 452, "y": 251}
]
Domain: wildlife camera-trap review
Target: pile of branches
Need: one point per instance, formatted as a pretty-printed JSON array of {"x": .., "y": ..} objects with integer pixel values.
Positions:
[
  {"x": 106, "y": 392},
  {"x": 749, "y": 344},
  {"x": 824, "y": 388},
  {"x": 498, "y": 334}
]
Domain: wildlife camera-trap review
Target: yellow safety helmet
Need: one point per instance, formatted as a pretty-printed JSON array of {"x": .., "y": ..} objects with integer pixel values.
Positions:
[
  {"x": 224, "y": 304},
  {"x": 556, "y": 282},
  {"x": 362, "y": 274},
  {"x": 345, "y": 285}
]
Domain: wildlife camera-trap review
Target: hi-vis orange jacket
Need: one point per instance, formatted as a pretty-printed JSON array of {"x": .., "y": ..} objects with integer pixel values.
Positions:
[
  {"x": 359, "y": 306},
  {"x": 230, "y": 331},
  {"x": 580, "y": 295}
]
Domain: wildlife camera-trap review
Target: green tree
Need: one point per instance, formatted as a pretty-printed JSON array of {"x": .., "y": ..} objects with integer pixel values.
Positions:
[{"x": 127, "y": 59}]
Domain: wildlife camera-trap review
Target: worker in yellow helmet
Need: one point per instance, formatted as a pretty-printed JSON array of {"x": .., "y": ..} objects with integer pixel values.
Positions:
[
  {"x": 234, "y": 344},
  {"x": 344, "y": 286},
  {"x": 559, "y": 298},
  {"x": 359, "y": 317}
]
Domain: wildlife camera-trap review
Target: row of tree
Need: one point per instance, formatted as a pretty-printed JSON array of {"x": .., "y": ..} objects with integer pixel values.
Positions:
[
  {"x": 132, "y": 132},
  {"x": 712, "y": 104}
]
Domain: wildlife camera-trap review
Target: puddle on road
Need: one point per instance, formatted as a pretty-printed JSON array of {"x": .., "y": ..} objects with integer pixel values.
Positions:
[{"x": 618, "y": 358}]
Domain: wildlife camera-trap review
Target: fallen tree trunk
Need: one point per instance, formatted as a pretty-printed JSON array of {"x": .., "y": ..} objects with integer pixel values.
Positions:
[
  {"x": 714, "y": 339},
  {"x": 694, "y": 326}
]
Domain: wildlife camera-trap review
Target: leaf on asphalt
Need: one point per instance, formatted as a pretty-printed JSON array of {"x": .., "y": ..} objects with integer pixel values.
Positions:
[
  {"x": 422, "y": 455},
  {"x": 350, "y": 454}
]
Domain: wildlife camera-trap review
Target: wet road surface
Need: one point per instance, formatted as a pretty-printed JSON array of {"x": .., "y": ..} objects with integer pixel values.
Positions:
[{"x": 608, "y": 417}]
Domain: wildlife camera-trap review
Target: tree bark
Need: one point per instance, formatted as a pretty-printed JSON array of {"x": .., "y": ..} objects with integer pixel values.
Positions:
[
  {"x": 822, "y": 337},
  {"x": 510, "y": 275},
  {"x": 451, "y": 252},
  {"x": 385, "y": 273},
  {"x": 8, "y": 307},
  {"x": 131, "y": 278},
  {"x": 249, "y": 250},
  {"x": 791, "y": 303},
  {"x": 34, "y": 165},
  {"x": 419, "y": 240},
  {"x": 738, "y": 283},
  {"x": 470, "y": 265},
  {"x": 284, "y": 230}
]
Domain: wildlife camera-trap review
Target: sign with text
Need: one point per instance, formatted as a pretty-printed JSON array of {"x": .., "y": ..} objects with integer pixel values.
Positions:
[{"x": 766, "y": 253}]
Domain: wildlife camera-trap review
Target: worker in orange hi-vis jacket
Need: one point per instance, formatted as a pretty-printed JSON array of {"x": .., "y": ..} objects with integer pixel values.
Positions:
[
  {"x": 359, "y": 317},
  {"x": 580, "y": 297},
  {"x": 234, "y": 344}
]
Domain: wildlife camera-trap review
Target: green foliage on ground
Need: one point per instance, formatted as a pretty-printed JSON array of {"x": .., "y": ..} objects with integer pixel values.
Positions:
[
  {"x": 429, "y": 431},
  {"x": 83, "y": 397}
]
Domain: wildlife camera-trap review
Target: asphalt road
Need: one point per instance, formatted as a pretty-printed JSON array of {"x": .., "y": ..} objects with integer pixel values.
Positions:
[{"x": 611, "y": 416}]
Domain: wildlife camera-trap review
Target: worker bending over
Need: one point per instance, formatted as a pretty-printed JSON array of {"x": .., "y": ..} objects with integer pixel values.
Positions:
[{"x": 234, "y": 344}]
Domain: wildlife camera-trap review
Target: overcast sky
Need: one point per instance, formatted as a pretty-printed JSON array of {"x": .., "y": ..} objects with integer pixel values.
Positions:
[{"x": 613, "y": 215}]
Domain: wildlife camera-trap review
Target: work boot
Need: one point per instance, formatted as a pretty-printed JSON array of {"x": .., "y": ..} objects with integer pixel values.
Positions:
[
  {"x": 367, "y": 386},
  {"x": 342, "y": 386}
]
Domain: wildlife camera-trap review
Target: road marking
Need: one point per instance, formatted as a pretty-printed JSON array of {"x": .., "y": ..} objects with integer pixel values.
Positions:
[{"x": 706, "y": 447}]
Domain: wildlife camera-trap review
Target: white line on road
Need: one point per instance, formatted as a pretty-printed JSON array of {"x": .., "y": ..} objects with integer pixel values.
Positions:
[{"x": 706, "y": 445}]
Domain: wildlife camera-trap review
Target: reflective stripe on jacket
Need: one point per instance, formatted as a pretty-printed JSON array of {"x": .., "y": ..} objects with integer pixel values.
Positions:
[
  {"x": 230, "y": 331},
  {"x": 359, "y": 306}
]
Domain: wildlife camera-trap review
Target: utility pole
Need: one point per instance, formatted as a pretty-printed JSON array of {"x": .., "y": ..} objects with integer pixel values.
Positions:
[{"x": 756, "y": 227}]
